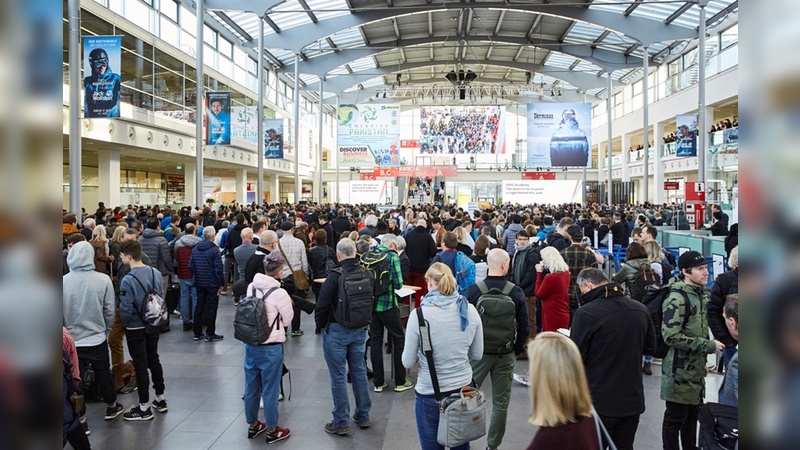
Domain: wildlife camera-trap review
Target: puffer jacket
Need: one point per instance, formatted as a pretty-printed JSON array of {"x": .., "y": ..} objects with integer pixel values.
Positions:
[
  {"x": 277, "y": 303},
  {"x": 183, "y": 252},
  {"x": 206, "y": 265},
  {"x": 509, "y": 238},
  {"x": 685, "y": 331},
  {"x": 156, "y": 247},
  {"x": 627, "y": 273}
]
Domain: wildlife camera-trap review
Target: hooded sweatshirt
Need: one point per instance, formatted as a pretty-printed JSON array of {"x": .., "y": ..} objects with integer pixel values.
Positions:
[
  {"x": 88, "y": 298},
  {"x": 132, "y": 294},
  {"x": 278, "y": 302},
  {"x": 509, "y": 237}
]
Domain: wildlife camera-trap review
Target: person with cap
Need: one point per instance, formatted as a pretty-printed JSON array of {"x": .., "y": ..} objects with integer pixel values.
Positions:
[
  {"x": 578, "y": 257},
  {"x": 293, "y": 251},
  {"x": 683, "y": 370},
  {"x": 274, "y": 144}
]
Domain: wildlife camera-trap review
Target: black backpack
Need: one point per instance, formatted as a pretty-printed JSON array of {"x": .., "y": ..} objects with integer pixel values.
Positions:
[
  {"x": 654, "y": 296},
  {"x": 719, "y": 427},
  {"x": 644, "y": 277},
  {"x": 330, "y": 261},
  {"x": 356, "y": 300},
  {"x": 666, "y": 272},
  {"x": 498, "y": 315},
  {"x": 250, "y": 324},
  {"x": 376, "y": 262}
]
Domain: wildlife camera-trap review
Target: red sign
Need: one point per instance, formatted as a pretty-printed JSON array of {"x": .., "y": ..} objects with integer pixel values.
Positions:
[
  {"x": 409, "y": 143},
  {"x": 695, "y": 191},
  {"x": 424, "y": 171},
  {"x": 387, "y": 172},
  {"x": 538, "y": 175},
  {"x": 366, "y": 176},
  {"x": 671, "y": 185}
]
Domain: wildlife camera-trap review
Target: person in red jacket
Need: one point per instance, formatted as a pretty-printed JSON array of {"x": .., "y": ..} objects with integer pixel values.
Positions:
[{"x": 552, "y": 289}]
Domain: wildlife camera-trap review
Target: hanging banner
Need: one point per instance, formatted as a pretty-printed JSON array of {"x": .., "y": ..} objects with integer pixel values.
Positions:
[
  {"x": 273, "y": 138},
  {"x": 462, "y": 130},
  {"x": 559, "y": 134},
  {"x": 367, "y": 191},
  {"x": 102, "y": 87},
  {"x": 244, "y": 124},
  {"x": 538, "y": 175},
  {"x": 369, "y": 135},
  {"x": 686, "y": 135},
  {"x": 218, "y": 118},
  {"x": 542, "y": 192}
]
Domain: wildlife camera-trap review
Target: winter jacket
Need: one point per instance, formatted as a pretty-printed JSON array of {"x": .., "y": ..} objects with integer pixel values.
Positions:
[
  {"x": 577, "y": 258},
  {"x": 627, "y": 273},
  {"x": 101, "y": 257},
  {"x": 517, "y": 296},
  {"x": 463, "y": 268},
  {"x": 542, "y": 235},
  {"x": 619, "y": 233},
  {"x": 294, "y": 251},
  {"x": 88, "y": 298},
  {"x": 552, "y": 289},
  {"x": 234, "y": 238},
  {"x": 277, "y": 303},
  {"x": 132, "y": 294},
  {"x": 340, "y": 225},
  {"x": 481, "y": 267},
  {"x": 420, "y": 249},
  {"x": 558, "y": 241},
  {"x": 732, "y": 239},
  {"x": 523, "y": 269},
  {"x": 241, "y": 255},
  {"x": 725, "y": 284},
  {"x": 509, "y": 238},
  {"x": 206, "y": 265},
  {"x": 329, "y": 294},
  {"x": 405, "y": 265},
  {"x": 157, "y": 248},
  {"x": 183, "y": 252},
  {"x": 369, "y": 231},
  {"x": 685, "y": 331},
  {"x": 255, "y": 264},
  {"x": 317, "y": 259}
]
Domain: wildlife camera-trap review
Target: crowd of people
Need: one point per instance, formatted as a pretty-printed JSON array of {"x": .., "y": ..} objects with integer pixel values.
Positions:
[
  {"x": 724, "y": 124},
  {"x": 453, "y": 131},
  {"x": 494, "y": 286}
]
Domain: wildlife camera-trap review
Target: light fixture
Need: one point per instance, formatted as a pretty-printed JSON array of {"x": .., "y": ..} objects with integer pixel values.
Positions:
[{"x": 384, "y": 95}]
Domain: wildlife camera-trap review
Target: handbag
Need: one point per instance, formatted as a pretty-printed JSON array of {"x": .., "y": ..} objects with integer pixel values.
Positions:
[
  {"x": 602, "y": 432},
  {"x": 299, "y": 275},
  {"x": 462, "y": 416}
]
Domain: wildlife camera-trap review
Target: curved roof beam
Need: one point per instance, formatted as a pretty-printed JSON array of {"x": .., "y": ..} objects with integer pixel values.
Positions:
[
  {"x": 647, "y": 31},
  {"x": 259, "y": 7}
]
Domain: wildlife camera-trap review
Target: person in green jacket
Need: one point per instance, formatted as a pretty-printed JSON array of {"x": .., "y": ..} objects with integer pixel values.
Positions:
[
  {"x": 683, "y": 371},
  {"x": 635, "y": 259}
]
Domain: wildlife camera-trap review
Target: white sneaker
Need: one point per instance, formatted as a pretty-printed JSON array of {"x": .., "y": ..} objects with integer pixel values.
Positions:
[{"x": 522, "y": 379}]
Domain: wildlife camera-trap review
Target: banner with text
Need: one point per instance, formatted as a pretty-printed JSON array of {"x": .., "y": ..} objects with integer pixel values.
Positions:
[
  {"x": 218, "y": 118},
  {"x": 211, "y": 186},
  {"x": 244, "y": 124},
  {"x": 686, "y": 135},
  {"x": 559, "y": 134},
  {"x": 102, "y": 86},
  {"x": 424, "y": 171},
  {"x": 554, "y": 192},
  {"x": 367, "y": 191},
  {"x": 462, "y": 130},
  {"x": 273, "y": 138},
  {"x": 368, "y": 135},
  {"x": 538, "y": 175}
]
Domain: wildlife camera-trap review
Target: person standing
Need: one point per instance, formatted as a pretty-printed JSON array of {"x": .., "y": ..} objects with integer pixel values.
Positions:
[
  {"x": 206, "y": 265},
  {"x": 578, "y": 257},
  {"x": 523, "y": 274},
  {"x": 552, "y": 289},
  {"x": 420, "y": 249},
  {"x": 612, "y": 333},
  {"x": 155, "y": 245},
  {"x": 726, "y": 283},
  {"x": 183, "y": 252},
  {"x": 293, "y": 251}
]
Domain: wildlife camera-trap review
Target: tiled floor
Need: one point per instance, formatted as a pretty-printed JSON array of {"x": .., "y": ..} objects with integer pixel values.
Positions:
[{"x": 205, "y": 382}]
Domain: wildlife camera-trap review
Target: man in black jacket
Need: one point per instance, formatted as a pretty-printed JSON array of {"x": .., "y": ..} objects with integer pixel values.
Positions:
[
  {"x": 612, "y": 333},
  {"x": 619, "y": 231},
  {"x": 523, "y": 274},
  {"x": 560, "y": 238},
  {"x": 420, "y": 249},
  {"x": 340, "y": 224}
]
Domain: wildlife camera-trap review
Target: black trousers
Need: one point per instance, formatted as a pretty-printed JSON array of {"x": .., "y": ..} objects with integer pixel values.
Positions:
[
  {"x": 143, "y": 348},
  {"x": 78, "y": 439},
  {"x": 97, "y": 357},
  {"x": 622, "y": 430},
  {"x": 679, "y": 420},
  {"x": 389, "y": 320},
  {"x": 207, "y": 298}
]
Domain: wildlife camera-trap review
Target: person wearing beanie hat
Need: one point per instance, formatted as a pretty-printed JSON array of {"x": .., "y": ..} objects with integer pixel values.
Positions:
[
  {"x": 683, "y": 370},
  {"x": 287, "y": 226}
]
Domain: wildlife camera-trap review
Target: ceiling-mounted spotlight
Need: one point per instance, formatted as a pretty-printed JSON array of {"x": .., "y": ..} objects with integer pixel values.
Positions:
[
  {"x": 398, "y": 78},
  {"x": 377, "y": 94},
  {"x": 452, "y": 76},
  {"x": 528, "y": 76},
  {"x": 384, "y": 95},
  {"x": 559, "y": 92},
  {"x": 552, "y": 93}
]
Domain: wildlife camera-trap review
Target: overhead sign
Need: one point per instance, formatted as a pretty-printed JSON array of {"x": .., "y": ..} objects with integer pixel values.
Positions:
[
  {"x": 367, "y": 191},
  {"x": 538, "y": 175},
  {"x": 423, "y": 171},
  {"x": 672, "y": 185},
  {"x": 559, "y": 134},
  {"x": 542, "y": 192},
  {"x": 368, "y": 135}
]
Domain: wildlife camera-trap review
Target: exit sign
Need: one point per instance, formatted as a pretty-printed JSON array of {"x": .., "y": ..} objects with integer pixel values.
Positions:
[{"x": 178, "y": 167}]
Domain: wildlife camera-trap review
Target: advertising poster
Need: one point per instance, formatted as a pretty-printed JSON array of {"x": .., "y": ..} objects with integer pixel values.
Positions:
[
  {"x": 211, "y": 186},
  {"x": 459, "y": 130},
  {"x": 367, "y": 191},
  {"x": 218, "y": 118},
  {"x": 244, "y": 124},
  {"x": 559, "y": 134},
  {"x": 101, "y": 84},
  {"x": 273, "y": 138},
  {"x": 369, "y": 135},
  {"x": 555, "y": 192},
  {"x": 686, "y": 135}
]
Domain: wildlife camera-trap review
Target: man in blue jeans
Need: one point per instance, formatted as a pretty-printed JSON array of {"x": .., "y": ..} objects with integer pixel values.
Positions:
[
  {"x": 206, "y": 265},
  {"x": 343, "y": 346},
  {"x": 183, "y": 252}
]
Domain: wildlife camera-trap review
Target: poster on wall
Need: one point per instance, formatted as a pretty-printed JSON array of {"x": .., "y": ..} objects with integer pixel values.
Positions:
[
  {"x": 218, "y": 118},
  {"x": 554, "y": 192},
  {"x": 686, "y": 135},
  {"x": 369, "y": 135},
  {"x": 461, "y": 130},
  {"x": 273, "y": 138},
  {"x": 367, "y": 191},
  {"x": 244, "y": 124},
  {"x": 559, "y": 134},
  {"x": 101, "y": 86},
  {"x": 211, "y": 186}
]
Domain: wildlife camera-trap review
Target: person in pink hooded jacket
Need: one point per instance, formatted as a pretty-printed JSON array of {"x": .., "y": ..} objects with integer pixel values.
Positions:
[{"x": 263, "y": 363}]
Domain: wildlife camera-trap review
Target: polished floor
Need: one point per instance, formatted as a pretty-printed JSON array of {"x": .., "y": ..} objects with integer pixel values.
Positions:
[{"x": 205, "y": 382}]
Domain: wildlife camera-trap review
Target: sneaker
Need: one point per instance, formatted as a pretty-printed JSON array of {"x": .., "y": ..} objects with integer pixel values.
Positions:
[
  {"x": 188, "y": 327},
  {"x": 253, "y": 432},
  {"x": 85, "y": 426},
  {"x": 404, "y": 387},
  {"x": 197, "y": 338},
  {"x": 330, "y": 428},
  {"x": 522, "y": 379},
  {"x": 647, "y": 369},
  {"x": 362, "y": 424},
  {"x": 160, "y": 406},
  {"x": 379, "y": 388},
  {"x": 297, "y": 333},
  {"x": 137, "y": 414},
  {"x": 113, "y": 411},
  {"x": 278, "y": 434},
  {"x": 213, "y": 337}
]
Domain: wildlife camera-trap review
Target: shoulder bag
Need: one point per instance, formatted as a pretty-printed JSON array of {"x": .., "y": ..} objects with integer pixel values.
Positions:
[
  {"x": 462, "y": 416},
  {"x": 300, "y": 278},
  {"x": 602, "y": 433}
]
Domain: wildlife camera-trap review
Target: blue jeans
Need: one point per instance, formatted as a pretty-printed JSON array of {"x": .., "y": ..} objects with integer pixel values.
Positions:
[
  {"x": 727, "y": 355},
  {"x": 344, "y": 345},
  {"x": 187, "y": 290},
  {"x": 426, "y": 410},
  {"x": 263, "y": 367}
]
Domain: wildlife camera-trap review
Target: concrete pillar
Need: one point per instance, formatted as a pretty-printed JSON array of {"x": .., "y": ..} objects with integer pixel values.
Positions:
[
  {"x": 274, "y": 188},
  {"x": 241, "y": 185},
  {"x": 190, "y": 183},
  {"x": 658, "y": 175},
  {"x": 108, "y": 177},
  {"x": 626, "y": 155}
]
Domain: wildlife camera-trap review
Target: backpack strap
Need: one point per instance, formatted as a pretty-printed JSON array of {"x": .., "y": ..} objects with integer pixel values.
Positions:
[
  {"x": 427, "y": 349},
  {"x": 482, "y": 286},
  {"x": 508, "y": 288},
  {"x": 686, "y": 304}
]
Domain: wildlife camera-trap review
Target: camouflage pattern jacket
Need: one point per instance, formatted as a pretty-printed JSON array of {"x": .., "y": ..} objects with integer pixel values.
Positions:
[{"x": 685, "y": 330}]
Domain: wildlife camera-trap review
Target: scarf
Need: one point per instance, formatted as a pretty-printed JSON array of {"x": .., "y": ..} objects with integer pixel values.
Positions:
[{"x": 435, "y": 298}]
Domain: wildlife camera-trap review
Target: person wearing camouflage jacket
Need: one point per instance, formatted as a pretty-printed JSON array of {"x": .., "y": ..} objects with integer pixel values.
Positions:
[{"x": 683, "y": 370}]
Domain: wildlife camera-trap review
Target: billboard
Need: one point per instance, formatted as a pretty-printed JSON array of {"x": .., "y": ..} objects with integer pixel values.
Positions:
[
  {"x": 542, "y": 192},
  {"x": 273, "y": 138},
  {"x": 686, "y": 135},
  {"x": 218, "y": 118},
  {"x": 368, "y": 135},
  {"x": 559, "y": 134},
  {"x": 244, "y": 124},
  {"x": 367, "y": 191},
  {"x": 101, "y": 85},
  {"x": 462, "y": 130}
]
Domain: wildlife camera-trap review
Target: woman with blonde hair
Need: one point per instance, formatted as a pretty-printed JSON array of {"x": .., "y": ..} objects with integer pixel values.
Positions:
[
  {"x": 101, "y": 254},
  {"x": 656, "y": 259},
  {"x": 560, "y": 399},
  {"x": 552, "y": 289},
  {"x": 456, "y": 336},
  {"x": 353, "y": 236},
  {"x": 462, "y": 246}
]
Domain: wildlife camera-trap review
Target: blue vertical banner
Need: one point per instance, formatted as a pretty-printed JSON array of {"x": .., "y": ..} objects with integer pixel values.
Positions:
[
  {"x": 686, "y": 135},
  {"x": 273, "y": 138},
  {"x": 218, "y": 118},
  {"x": 101, "y": 84}
]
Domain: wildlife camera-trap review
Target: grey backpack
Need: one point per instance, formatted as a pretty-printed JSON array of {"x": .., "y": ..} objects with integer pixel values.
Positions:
[{"x": 250, "y": 324}]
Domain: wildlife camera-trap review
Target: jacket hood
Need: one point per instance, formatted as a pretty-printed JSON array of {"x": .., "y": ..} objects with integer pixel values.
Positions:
[
  {"x": 187, "y": 240},
  {"x": 68, "y": 228},
  {"x": 264, "y": 282},
  {"x": 638, "y": 263},
  {"x": 205, "y": 245},
  {"x": 148, "y": 233},
  {"x": 515, "y": 227},
  {"x": 81, "y": 257},
  {"x": 677, "y": 283},
  {"x": 609, "y": 290}
]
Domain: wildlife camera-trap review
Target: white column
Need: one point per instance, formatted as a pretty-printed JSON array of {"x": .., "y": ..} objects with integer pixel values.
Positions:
[
  {"x": 658, "y": 178},
  {"x": 108, "y": 177},
  {"x": 626, "y": 144},
  {"x": 190, "y": 184},
  {"x": 274, "y": 188},
  {"x": 241, "y": 186}
]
